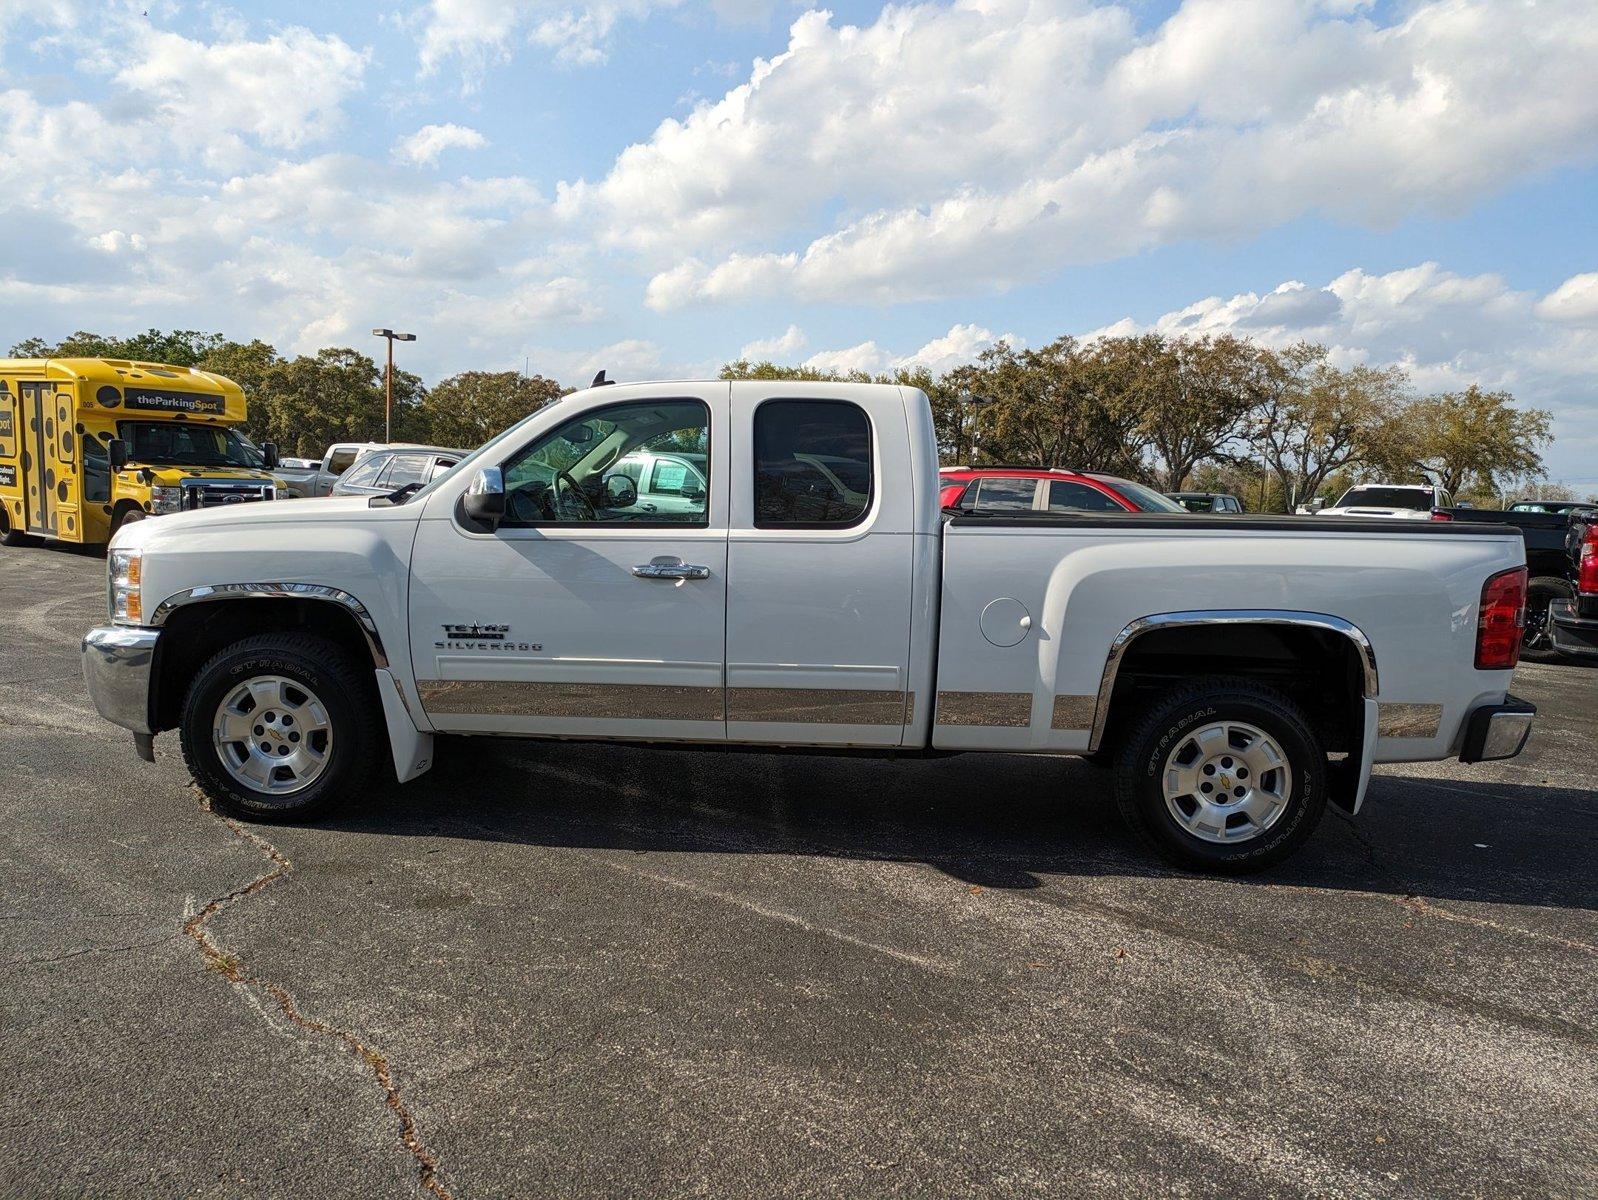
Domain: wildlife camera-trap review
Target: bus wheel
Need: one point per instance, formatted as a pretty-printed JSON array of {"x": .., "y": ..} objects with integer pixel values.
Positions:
[
  {"x": 10, "y": 536},
  {"x": 126, "y": 515}
]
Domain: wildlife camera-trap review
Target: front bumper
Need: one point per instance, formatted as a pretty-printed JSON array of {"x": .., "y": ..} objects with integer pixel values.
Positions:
[
  {"x": 117, "y": 666},
  {"x": 1497, "y": 731},
  {"x": 1572, "y": 634}
]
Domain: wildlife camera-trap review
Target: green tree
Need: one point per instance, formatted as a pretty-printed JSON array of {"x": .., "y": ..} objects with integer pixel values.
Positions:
[
  {"x": 1470, "y": 437},
  {"x": 466, "y": 410},
  {"x": 335, "y": 395},
  {"x": 1058, "y": 405},
  {"x": 179, "y": 347},
  {"x": 744, "y": 369},
  {"x": 1196, "y": 397},
  {"x": 1313, "y": 419}
]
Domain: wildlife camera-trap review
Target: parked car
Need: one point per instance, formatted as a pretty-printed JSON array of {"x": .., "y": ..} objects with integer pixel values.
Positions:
[
  {"x": 1240, "y": 680},
  {"x": 1547, "y": 558},
  {"x": 1573, "y": 620},
  {"x": 667, "y": 482},
  {"x": 1392, "y": 501},
  {"x": 1046, "y": 489},
  {"x": 1207, "y": 502},
  {"x": 379, "y": 472},
  {"x": 318, "y": 480}
]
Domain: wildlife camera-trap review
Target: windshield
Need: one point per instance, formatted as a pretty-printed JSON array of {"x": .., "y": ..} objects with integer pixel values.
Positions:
[
  {"x": 1146, "y": 499},
  {"x": 1387, "y": 497},
  {"x": 182, "y": 444}
]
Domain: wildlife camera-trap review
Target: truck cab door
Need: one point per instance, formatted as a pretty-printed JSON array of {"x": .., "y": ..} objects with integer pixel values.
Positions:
[
  {"x": 582, "y": 615},
  {"x": 819, "y": 572}
]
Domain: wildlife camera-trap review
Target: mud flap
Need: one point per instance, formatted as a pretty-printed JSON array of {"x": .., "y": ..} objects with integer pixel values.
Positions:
[
  {"x": 1347, "y": 781},
  {"x": 412, "y": 749}
]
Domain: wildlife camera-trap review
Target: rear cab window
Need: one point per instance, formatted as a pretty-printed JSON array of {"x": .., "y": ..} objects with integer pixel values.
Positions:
[
  {"x": 340, "y": 460},
  {"x": 813, "y": 467}
]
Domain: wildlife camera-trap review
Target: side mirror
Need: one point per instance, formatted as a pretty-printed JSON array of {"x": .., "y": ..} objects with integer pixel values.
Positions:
[
  {"x": 269, "y": 454},
  {"x": 620, "y": 491},
  {"x": 116, "y": 451},
  {"x": 484, "y": 500}
]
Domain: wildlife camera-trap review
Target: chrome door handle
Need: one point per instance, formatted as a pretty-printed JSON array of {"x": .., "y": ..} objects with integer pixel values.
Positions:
[{"x": 670, "y": 571}]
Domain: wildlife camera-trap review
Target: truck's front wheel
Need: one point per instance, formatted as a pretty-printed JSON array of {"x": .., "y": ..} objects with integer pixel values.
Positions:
[
  {"x": 1223, "y": 775},
  {"x": 276, "y": 727}
]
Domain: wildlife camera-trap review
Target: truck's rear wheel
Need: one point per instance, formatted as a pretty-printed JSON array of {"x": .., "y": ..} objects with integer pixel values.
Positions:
[
  {"x": 1536, "y": 640},
  {"x": 276, "y": 727},
  {"x": 1223, "y": 775}
]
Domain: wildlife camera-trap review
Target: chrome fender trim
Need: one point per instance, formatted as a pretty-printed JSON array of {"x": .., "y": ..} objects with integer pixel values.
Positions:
[
  {"x": 1226, "y": 616},
  {"x": 277, "y": 591}
]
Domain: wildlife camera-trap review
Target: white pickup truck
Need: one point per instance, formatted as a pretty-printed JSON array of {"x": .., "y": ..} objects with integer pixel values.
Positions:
[{"x": 1238, "y": 673}]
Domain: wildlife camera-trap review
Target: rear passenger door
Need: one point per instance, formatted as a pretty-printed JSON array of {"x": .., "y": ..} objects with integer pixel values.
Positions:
[
  {"x": 819, "y": 567},
  {"x": 1066, "y": 495}
]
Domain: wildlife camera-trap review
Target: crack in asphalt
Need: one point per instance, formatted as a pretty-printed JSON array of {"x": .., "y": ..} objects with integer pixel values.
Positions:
[
  {"x": 231, "y": 967},
  {"x": 55, "y": 958}
]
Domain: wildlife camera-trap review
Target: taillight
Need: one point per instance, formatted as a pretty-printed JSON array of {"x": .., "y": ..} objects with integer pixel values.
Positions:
[
  {"x": 1500, "y": 621},
  {"x": 1439, "y": 515},
  {"x": 1587, "y": 564}
]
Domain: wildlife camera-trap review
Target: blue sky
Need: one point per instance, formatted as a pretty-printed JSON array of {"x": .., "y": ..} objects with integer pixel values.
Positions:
[{"x": 659, "y": 185}]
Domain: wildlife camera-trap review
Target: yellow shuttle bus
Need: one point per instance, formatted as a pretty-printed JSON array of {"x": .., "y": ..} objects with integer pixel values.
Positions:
[{"x": 88, "y": 444}]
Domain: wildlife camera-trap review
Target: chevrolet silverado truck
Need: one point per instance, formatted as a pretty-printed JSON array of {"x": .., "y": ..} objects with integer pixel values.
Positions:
[{"x": 1239, "y": 673}]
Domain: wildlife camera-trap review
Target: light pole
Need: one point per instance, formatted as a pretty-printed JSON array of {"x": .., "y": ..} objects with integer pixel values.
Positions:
[{"x": 388, "y": 378}]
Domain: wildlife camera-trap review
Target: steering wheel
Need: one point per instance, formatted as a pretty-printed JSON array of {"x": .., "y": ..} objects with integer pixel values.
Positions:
[{"x": 572, "y": 483}]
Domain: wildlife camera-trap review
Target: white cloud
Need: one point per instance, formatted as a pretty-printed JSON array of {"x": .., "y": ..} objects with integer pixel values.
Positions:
[
  {"x": 960, "y": 345},
  {"x": 776, "y": 349},
  {"x": 1575, "y": 301},
  {"x": 1054, "y": 132},
  {"x": 283, "y": 91},
  {"x": 478, "y": 33},
  {"x": 423, "y": 147},
  {"x": 867, "y": 356}
]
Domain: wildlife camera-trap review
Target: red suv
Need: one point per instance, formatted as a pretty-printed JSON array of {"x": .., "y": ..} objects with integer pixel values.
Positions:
[{"x": 1045, "y": 489}]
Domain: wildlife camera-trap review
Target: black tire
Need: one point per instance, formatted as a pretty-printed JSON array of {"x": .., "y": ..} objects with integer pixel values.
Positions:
[
  {"x": 10, "y": 536},
  {"x": 126, "y": 515},
  {"x": 336, "y": 678},
  {"x": 1536, "y": 643},
  {"x": 1139, "y": 774}
]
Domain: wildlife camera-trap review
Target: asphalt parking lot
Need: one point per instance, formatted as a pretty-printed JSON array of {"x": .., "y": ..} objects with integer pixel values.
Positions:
[{"x": 596, "y": 971}]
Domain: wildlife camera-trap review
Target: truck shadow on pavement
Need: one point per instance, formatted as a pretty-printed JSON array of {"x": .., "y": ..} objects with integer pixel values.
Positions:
[{"x": 998, "y": 821}]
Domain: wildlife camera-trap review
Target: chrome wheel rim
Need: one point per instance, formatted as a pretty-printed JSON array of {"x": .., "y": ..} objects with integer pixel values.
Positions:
[
  {"x": 1227, "y": 782},
  {"x": 273, "y": 735}
]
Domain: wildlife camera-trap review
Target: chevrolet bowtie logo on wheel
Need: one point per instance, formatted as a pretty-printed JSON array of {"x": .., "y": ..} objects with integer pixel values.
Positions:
[{"x": 480, "y": 633}]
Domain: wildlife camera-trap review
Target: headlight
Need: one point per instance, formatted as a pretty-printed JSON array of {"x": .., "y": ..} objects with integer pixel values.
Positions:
[
  {"x": 124, "y": 569},
  {"x": 166, "y": 499}
]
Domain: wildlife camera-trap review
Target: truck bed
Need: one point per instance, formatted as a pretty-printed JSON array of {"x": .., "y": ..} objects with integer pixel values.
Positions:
[{"x": 1083, "y": 583}]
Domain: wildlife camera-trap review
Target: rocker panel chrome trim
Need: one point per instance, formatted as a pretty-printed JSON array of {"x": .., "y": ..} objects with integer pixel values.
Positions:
[{"x": 1227, "y": 616}]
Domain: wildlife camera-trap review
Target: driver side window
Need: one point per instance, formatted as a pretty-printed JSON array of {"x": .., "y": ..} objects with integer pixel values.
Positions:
[{"x": 587, "y": 470}]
